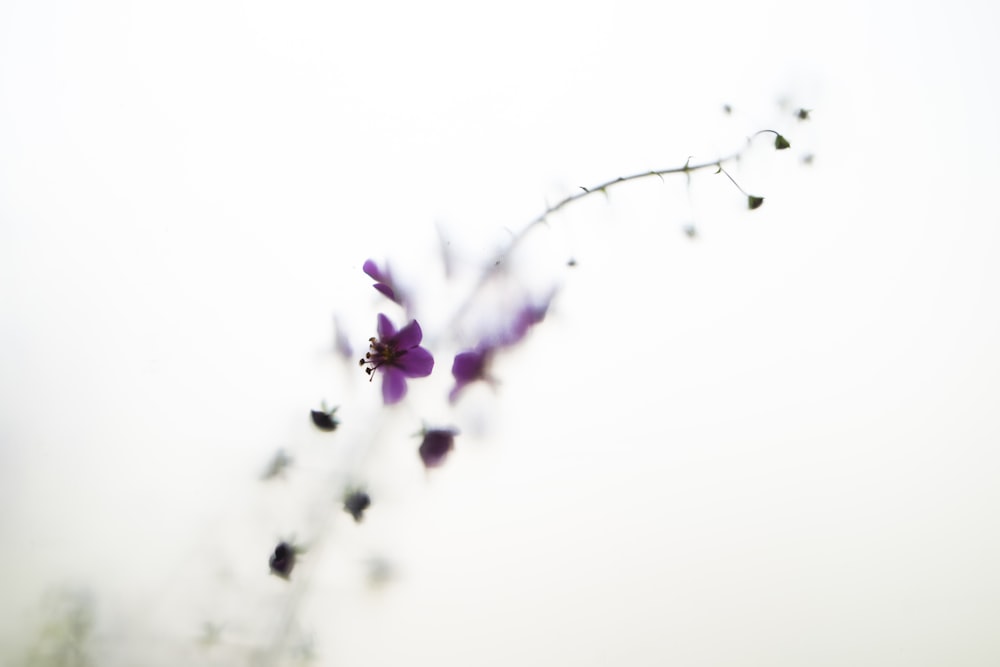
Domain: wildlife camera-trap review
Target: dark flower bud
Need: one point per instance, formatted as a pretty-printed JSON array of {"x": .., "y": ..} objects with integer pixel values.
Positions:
[
  {"x": 802, "y": 114},
  {"x": 283, "y": 560},
  {"x": 435, "y": 447},
  {"x": 781, "y": 143},
  {"x": 325, "y": 420},
  {"x": 754, "y": 202},
  {"x": 355, "y": 504}
]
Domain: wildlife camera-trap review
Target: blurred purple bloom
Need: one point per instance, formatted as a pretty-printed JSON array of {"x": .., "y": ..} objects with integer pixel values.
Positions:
[
  {"x": 341, "y": 341},
  {"x": 525, "y": 318},
  {"x": 399, "y": 355},
  {"x": 471, "y": 365},
  {"x": 436, "y": 446},
  {"x": 383, "y": 280}
]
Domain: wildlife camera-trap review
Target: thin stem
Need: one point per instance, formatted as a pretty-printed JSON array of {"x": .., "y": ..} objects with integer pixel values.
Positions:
[
  {"x": 733, "y": 180},
  {"x": 687, "y": 169}
]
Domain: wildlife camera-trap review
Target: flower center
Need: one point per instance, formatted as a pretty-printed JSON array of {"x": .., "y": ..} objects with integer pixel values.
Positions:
[{"x": 379, "y": 353}]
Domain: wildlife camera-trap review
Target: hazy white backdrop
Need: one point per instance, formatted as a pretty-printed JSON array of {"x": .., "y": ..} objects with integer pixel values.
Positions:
[{"x": 775, "y": 444}]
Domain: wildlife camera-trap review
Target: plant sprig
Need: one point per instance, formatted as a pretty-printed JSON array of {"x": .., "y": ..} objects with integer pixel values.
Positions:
[{"x": 753, "y": 201}]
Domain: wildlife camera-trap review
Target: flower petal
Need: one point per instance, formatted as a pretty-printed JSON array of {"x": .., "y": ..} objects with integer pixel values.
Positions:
[
  {"x": 371, "y": 268},
  {"x": 415, "y": 362},
  {"x": 527, "y": 317},
  {"x": 393, "y": 385},
  {"x": 386, "y": 329},
  {"x": 409, "y": 336},
  {"x": 386, "y": 290},
  {"x": 469, "y": 366}
]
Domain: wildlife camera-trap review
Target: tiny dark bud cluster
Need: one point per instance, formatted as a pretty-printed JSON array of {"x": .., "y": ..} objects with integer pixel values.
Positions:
[
  {"x": 436, "y": 446},
  {"x": 325, "y": 421},
  {"x": 355, "y": 504},
  {"x": 282, "y": 560}
]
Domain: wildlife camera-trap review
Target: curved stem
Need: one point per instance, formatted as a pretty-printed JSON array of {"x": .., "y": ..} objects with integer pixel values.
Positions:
[{"x": 687, "y": 169}]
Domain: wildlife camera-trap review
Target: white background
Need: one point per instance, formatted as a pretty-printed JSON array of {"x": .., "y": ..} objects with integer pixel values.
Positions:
[{"x": 775, "y": 444}]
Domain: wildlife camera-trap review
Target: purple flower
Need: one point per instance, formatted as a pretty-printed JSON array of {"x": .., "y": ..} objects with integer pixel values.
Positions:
[
  {"x": 383, "y": 280},
  {"x": 527, "y": 317},
  {"x": 436, "y": 446},
  {"x": 469, "y": 367},
  {"x": 399, "y": 355},
  {"x": 472, "y": 365}
]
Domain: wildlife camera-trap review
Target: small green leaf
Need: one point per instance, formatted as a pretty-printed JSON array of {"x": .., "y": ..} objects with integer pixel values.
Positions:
[
  {"x": 754, "y": 202},
  {"x": 781, "y": 143}
]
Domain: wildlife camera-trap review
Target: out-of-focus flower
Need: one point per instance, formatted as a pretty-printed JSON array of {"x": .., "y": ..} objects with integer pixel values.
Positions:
[
  {"x": 399, "y": 356},
  {"x": 436, "y": 446},
  {"x": 473, "y": 365},
  {"x": 469, "y": 367},
  {"x": 341, "y": 341},
  {"x": 283, "y": 560},
  {"x": 383, "y": 281},
  {"x": 355, "y": 504},
  {"x": 524, "y": 319}
]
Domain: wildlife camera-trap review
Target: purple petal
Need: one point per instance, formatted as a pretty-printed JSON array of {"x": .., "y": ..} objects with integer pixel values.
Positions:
[
  {"x": 393, "y": 385},
  {"x": 527, "y": 317},
  {"x": 386, "y": 290},
  {"x": 409, "y": 336},
  {"x": 386, "y": 329},
  {"x": 371, "y": 268},
  {"x": 416, "y": 363},
  {"x": 469, "y": 366}
]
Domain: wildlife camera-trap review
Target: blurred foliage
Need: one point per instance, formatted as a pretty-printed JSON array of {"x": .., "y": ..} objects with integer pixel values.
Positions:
[{"x": 65, "y": 630}]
